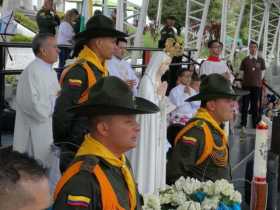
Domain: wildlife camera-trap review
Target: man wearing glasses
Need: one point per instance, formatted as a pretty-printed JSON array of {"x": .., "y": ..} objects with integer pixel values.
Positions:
[{"x": 214, "y": 64}]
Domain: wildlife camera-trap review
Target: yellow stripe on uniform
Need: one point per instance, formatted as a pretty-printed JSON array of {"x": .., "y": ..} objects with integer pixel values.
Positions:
[
  {"x": 78, "y": 198},
  {"x": 188, "y": 138},
  {"x": 75, "y": 81}
]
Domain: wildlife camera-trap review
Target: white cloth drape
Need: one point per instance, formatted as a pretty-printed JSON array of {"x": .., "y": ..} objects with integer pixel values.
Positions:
[
  {"x": 148, "y": 159},
  {"x": 35, "y": 99}
]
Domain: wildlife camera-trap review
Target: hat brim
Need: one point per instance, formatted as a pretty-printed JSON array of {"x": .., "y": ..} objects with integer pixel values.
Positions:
[
  {"x": 99, "y": 32},
  {"x": 142, "y": 106},
  {"x": 211, "y": 96}
]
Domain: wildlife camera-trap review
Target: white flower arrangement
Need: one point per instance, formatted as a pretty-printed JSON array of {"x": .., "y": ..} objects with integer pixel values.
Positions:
[{"x": 191, "y": 194}]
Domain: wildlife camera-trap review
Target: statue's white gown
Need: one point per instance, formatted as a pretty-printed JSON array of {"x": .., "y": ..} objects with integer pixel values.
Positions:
[{"x": 148, "y": 159}]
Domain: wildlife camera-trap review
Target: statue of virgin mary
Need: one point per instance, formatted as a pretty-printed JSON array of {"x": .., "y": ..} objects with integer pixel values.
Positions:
[{"x": 148, "y": 159}]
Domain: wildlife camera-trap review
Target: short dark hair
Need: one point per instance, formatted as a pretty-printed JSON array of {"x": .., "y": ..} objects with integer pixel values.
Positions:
[
  {"x": 210, "y": 43},
  {"x": 75, "y": 11},
  {"x": 121, "y": 40},
  {"x": 15, "y": 167},
  {"x": 39, "y": 40},
  {"x": 170, "y": 17},
  {"x": 97, "y": 12},
  {"x": 203, "y": 103},
  {"x": 181, "y": 71},
  {"x": 254, "y": 43}
]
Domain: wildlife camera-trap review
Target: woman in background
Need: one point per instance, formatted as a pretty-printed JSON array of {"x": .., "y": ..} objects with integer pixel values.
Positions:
[{"x": 65, "y": 36}]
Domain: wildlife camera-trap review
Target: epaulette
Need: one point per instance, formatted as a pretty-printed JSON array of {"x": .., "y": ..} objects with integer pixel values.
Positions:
[
  {"x": 200, "y": 123},
  {"x": 89, "y": 162}
]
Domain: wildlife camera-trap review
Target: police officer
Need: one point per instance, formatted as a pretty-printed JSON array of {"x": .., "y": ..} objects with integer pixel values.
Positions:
[
  {"x": 92, "y": 47},
  {"x": 201, "y": 147},
  {"x": 100, "y": 176},
  {"x": 47, "y": 19}
]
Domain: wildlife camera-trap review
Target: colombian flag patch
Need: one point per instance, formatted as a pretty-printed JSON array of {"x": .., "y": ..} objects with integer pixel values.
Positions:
[
  {"x": 82, "y": 201},
  {"x": 75, "y": 82},
  {"x": 189, "y": 140}
]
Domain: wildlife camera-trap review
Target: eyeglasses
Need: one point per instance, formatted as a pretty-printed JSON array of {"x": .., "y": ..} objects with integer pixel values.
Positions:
[{"x": 217, "y": 47}]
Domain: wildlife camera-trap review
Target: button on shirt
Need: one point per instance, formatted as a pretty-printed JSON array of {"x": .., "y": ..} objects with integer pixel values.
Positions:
[{"x": 122, "y": 69}]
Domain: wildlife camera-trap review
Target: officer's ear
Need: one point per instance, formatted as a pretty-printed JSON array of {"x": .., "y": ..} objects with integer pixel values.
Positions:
[
  {"x": 102, "y": 128},
  {"x": 43, "y": 51}
]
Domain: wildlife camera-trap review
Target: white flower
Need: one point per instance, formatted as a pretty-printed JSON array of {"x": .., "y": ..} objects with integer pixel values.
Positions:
[
  {"x": 210, "y": 203},
  {"x": 236, "y": 197},
  {"x": 223, "y": 187},
  {"x": 165, "y": 196},
  {"x": 209, "y": 188},
  {"x": 189, "y": 205},
  {"x": 151, "y": 202},
  {"x": 178, "y": 198},
  {"x": 180, "y": 183},
  {"x": 191, "y": 186}
]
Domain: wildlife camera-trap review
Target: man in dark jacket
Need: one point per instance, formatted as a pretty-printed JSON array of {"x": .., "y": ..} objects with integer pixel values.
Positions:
[
  {"x": 100, "y": 176},
  {"x": 47, "y": 19},
  {"x": 92, "y": 47}
]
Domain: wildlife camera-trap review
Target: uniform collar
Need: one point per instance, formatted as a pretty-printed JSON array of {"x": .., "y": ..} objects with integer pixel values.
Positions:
[{"x": 88, "y": 55}]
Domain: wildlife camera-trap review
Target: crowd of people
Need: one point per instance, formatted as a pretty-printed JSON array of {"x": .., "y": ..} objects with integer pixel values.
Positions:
[{"x": 112, "y": 128}]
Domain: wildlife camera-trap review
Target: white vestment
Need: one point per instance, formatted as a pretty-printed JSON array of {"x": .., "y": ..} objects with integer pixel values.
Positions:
[
  {"x": 148, "y": 159},
  {"x": 35, "y": 99},
  {"x": 122, "y": 69},
  {"x": 218, "y": 67},
  {"x": 178, "y": 96}
]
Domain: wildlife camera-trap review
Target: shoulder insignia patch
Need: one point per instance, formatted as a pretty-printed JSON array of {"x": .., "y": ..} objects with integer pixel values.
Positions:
[
  {"x": 189, "y": 140},
  {"x": 75, "y": 82},
  {"x": 199, "y": 123},
  {"x": 82, "y": 201}
]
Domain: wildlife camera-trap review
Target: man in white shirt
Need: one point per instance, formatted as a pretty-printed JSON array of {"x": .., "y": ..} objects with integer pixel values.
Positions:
[
  {"x": 35, "y": 99},
  {"x": 121, "y": 68},
  {"x": 214, "y": 64},
  {"x": 184, "y": 110}
]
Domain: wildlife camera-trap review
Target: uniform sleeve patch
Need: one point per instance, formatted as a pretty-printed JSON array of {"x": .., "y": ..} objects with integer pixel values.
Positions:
[
  {"x": 75, "y": 82},
  {"x": 189, "y": 140},
  {"x": 82, "y": 201}
]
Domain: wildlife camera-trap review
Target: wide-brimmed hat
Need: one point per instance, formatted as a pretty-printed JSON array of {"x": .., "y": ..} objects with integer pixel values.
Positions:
[
  {"x": 110, "y": 96},
  {"x": 100, "y": 26},
  {"x": 216, "y": 86},
  {"x": 97, "y": 26}
]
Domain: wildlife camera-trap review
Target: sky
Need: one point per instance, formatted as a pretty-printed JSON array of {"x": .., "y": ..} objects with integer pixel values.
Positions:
[{"x": 139, "y": 2}]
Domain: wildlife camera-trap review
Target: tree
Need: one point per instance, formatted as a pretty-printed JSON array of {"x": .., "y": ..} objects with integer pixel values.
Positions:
[{"x": 169, "y": 7}]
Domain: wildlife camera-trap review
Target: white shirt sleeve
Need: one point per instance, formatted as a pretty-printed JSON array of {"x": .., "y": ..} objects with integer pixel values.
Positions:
[
  {"x": 202, "y": 69},
  {"x": 65, "y": 33}
]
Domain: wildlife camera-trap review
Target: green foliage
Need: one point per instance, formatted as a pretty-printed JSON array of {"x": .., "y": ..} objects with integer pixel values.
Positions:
[
  {"x": 169, "y": 7},
  {"x": 26, "y": 21},
  {"x": 149, "y": 41},
  {"x": 12, "y": 80},
  {"x": 215, "y": 11},
  {"x": 21, "y": 38}
]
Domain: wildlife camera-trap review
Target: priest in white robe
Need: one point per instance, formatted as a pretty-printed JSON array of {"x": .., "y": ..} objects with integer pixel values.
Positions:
[
  {"x": 35, "y": 99},
  {"x": 148, "y": 159}
]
